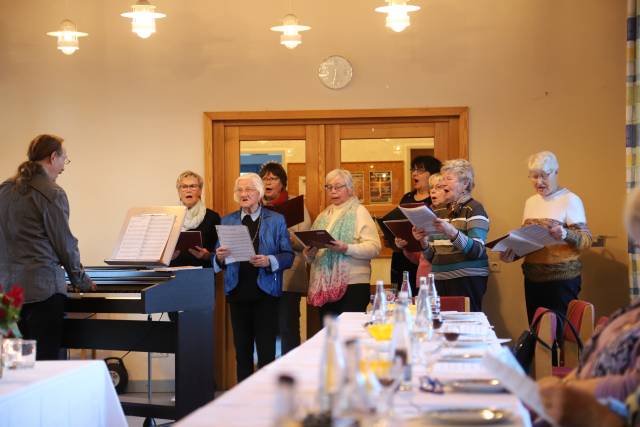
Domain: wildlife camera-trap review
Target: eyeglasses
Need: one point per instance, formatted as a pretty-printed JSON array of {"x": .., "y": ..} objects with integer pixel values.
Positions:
[
  {"x": 189, "y": 186},
  {"x": 245, "y": 190},
  {"x": 417, "y": 170},
  {"x": 270, "y": 178},
  {"x": 67, "y": 161},
  {"x": 334, "y": 187},
  {"x": 539, "y": 175}
]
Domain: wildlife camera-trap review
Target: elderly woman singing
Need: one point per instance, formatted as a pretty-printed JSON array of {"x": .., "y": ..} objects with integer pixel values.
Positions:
[
  {"x": 552, "y": 275},
  {"x": 253, "y": 287},
  {"x": 341, "y": 272}
]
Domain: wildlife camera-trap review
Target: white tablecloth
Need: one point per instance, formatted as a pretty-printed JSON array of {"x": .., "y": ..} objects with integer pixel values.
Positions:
[
  {"x": 250, "y": 403},
  {"x": 61, "y": 393}
]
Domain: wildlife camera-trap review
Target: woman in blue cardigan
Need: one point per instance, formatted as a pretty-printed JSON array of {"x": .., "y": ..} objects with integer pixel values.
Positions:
[{"x": 253, "y": 287}]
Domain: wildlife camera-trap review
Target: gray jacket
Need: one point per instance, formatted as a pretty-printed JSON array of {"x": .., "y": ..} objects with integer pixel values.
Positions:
[{"x": 36, "y": 242}]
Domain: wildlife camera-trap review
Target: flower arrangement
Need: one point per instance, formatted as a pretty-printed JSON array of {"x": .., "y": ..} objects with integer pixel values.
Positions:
[{"x": 10, "y": 304}]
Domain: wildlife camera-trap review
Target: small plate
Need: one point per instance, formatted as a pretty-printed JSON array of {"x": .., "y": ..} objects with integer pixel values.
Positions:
[
  {"x": 476, "y": 386},
  {"x": 468, "y": 416}
]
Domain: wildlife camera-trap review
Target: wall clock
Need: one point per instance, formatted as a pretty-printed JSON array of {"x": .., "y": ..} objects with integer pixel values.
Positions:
[{"x": 335, "y": 72}]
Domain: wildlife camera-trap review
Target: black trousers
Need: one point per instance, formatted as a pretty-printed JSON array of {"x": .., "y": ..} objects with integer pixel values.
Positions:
[
  {"x": 254, "y": 321},
  {"x": 554, "y": 295},
  {"x": 355, "y": 299},
  {"x": 42, "y": 321},
  {"x": 473, "y": 287},
  {"x": 289, "y": 320}
]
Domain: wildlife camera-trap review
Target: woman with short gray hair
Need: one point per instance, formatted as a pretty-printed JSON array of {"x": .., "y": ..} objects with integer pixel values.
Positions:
[
  {"x": 341, "y": 272},
  {"x": 457, "y": 254},
  {"x": 552, "y": 275}
]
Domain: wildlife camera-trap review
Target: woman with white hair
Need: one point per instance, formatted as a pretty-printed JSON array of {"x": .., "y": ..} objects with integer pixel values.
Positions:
[
  {"x": 253, "y": 287},
  {"x": 341, "y": 272},
  {"x": 457, "y": 254},
  {"x": 552, "y": 275}
]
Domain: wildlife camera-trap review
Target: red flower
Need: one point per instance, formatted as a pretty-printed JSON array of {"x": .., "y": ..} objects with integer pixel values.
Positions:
[
  {"x": 6, "y": 300},
  {"x": 17, "y": 296}
]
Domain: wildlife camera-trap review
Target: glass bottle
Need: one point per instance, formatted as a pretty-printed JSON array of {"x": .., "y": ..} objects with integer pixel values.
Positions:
[
  {"x": 405, "y": 289},
  {"x": 354, "y": 403},
  {"x": 433, "y": 294},
  {"x": 401, "y": 343},
  {"x": 286, "y": 407},
  {"x": 332, "y": 367},
  {"x": 423, "y": 322},
  {"x": 379, "y": 310}
]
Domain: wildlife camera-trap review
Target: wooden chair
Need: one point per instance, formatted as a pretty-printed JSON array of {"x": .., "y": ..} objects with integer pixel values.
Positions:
[
  {"x": 581, "y": 314},
  {"x": 546, "y": 330},
  {"x": 455, "y": 304}
]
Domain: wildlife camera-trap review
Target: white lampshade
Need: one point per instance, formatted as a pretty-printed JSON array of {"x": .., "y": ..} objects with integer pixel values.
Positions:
[
  {"x": 397, "y": 14},
  {"x": 290, "y": 31},
  {"x": 67, "y": 37},
  {"x": 143, "y": 18}
]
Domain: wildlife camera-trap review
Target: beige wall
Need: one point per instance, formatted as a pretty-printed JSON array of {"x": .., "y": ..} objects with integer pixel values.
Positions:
[{"x": 536, "y": 75}]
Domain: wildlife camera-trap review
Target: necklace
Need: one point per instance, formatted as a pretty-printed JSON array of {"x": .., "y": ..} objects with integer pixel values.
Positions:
[{"x": 253, "y": 241}]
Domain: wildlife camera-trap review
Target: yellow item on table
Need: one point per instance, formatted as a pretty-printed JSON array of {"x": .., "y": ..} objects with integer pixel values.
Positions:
[
  {"x": 412, "y": 308},
  {"x": 380, "y": 331}
]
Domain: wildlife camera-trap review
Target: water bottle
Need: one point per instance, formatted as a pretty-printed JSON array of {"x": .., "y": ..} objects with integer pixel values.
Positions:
[
  {"x": 405, "y": 289},
  {"x": 423, "y": 322},
  {"x": 401, "y": 344},
  {"x": 332, "y": 367},
  {"x": 379, "y": 308},
  {"x": 354, "y": 404},
  {"x": 433, "y": 294}
]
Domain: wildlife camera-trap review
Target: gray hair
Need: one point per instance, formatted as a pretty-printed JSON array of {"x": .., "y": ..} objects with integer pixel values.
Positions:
[
  {"x": 256, "y": 181},
  {"x": 189, "y": 174},
  {"x": 544, "y": 161},
  {"x": 341, "y": 173},
  {"x": 462, "y": 169}
]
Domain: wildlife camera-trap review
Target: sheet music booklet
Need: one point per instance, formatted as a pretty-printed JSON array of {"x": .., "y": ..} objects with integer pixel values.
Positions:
[
  {"x": 420, "y": 216},
  {"x": 189, "y": 240},
  {"x": 237, "y": 239},
  {"x": 148, "y": 236},
  {"x": 314, "y": 238},
  {"x": 401, "y": 228},
  {"x": 525, "y": 240}
]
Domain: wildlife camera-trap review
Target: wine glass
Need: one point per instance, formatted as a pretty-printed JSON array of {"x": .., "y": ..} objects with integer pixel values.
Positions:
[{"x": 451, "y": 333}]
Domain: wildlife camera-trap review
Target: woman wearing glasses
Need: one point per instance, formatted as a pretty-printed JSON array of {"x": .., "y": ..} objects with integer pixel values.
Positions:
[
  {"x": 552, "y": 275},
  {"x": 341, "y": 272},
  {"x": 422, "y": 168},
  {"x": 253, "y": 287},
  {"x": 198, "y": 218},
  {"x": 296, "y": 282}
]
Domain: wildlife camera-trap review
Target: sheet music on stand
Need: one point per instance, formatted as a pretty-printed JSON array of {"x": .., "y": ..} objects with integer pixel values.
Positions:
[{"x": 148, "y": 236}]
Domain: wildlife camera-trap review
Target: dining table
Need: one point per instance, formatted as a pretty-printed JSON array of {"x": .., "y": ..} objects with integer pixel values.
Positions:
[
  {"x": 69, "y": 393},
  {"x": 251, "y": 402}
]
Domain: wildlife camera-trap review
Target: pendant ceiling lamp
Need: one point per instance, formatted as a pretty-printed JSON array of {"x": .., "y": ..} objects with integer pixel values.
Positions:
[
  {"x": 67, "y": 37},
  {"x": 290, "y": 29},
  {"x": 143, "y": 18},
  {"x": 397, "y": 14}
]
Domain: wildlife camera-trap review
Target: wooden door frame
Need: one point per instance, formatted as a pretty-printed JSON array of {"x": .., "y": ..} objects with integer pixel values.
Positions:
[{"x": 323, "y": 135}]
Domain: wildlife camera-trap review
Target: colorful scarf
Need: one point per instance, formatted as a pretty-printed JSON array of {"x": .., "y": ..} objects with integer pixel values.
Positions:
[
  {"x": 331, "y": 269},
  {"x": 282, "y": 197}
]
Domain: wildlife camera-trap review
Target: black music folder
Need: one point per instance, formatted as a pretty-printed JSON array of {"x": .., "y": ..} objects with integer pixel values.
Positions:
[
  {"x": 189, "y": 240},
  {"x": 292, "y": 210},
  {"x": 401, "y": 228},
  {"x": 314, "y": 238}
]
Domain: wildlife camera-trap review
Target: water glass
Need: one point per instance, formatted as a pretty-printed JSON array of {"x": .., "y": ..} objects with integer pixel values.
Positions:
[{"x": 18, "y": 353}]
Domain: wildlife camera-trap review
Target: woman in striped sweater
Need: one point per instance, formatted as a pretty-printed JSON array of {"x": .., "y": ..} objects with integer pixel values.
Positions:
[
  {"x": 457, "y": 254},
  {"x": 552, "y": 275}
]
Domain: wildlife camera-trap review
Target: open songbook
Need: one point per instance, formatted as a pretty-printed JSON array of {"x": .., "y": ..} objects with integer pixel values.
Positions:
[
  {"x": 420, "y": 216},
  {"x": 525, "y": 240},
  {"x": 148, "y": 236}
]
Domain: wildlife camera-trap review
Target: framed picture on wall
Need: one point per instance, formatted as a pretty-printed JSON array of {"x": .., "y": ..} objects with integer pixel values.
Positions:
[
  {"x": 358, "y": 185},
  {"x": 380, "y": 187}
]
